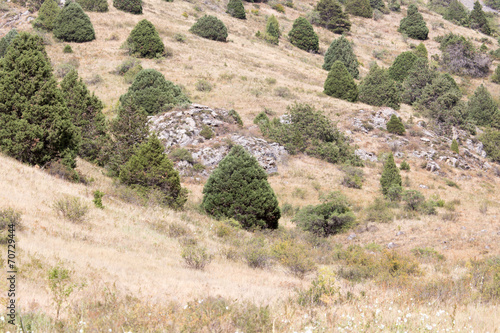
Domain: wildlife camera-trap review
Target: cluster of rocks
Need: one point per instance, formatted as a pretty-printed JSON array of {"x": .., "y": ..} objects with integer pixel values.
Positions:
[
  {"x": 188, "y": 129},
  {"x": 13, "y": 18}
]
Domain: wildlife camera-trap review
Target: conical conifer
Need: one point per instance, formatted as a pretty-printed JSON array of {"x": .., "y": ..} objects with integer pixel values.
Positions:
[
  {"x": 238, "y": 189},
  {"x": 332, "y": 17},
  {"x": 360, "y": 8},
  {"x": 413, "y": 24},
  {"x": 73, "y": 25},
  {"x": 303, "y": 36},
  {"x": 395, "y": 125},
  {"x": 457, "y": 13},
  {"x": 145, "y": 41},
  {"x": 340, "y": 84},
  {"x": 47, "y": 15},
  {"x": 235, "y": 9},
  {"x": 390, "y": 175},
  {"x": 418, "y": 77},
  {"x": 401, "y": 65},
  {"x": 379, "y": 89},
  {"x": 478, "y": 20},
  {"x": 482, "y": 108},
  {"x": 129, "y": 6},
  {"x": 341, "y": 49}
]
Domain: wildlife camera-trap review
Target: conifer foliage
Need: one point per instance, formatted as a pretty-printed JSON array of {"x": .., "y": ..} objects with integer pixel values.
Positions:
[
  {"x": 145, "y": 41},
  {"x": 332, "y": 17},
  {"x": 235, "y": 9},
  {"x": 47, "y": 15},
  {"x": 457, "y": 13},
  {"x": 360, "y": 8},
  {"x": 6, "y": 40},
  {"x": 273, "y": 30},
  {"x": 35, "y": 126},
  {"x": 303, "y": 36},
  {"x": 238, "y": 189},
  {"x": 129, "y": 6},
  {"x": 210, "y": 27},
  {"x": 340, "y": 83},
  {"x": 454, "y": 146},
  {"x": 483, "y": 109},
  {"x": 401, "y": 65},
  {"x": 390, "y": 175},
  {"x": 413, "y": 24},
  {"x": 85, "y": 110},
  {"x": 379, "y": 89},
  {"x": 478, "y": 20},
  {"x": 418, "y": 77},
  {"x": 153, "y": 93},
  {"x": 341, "y": 49},
  {"x": 73, "y": 25},
  {"x": 150, "y": 169},
  {"x": 395, "y": 125},
  {"x": 94, "y": 5}
]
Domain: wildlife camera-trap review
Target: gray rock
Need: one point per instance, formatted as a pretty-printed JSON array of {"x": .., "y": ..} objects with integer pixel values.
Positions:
[
  {"x": 391, "y": 245},
  {"x": 432, "y": 166},
  {"x": 366, "y": 156},
  {"x": 400, "y": 233},
  {"x": 351, "y": 237},
  {"x": 423, "y": 186}
]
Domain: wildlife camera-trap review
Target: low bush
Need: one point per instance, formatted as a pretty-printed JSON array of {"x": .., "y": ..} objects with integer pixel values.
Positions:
[
  {"x": 129, "y": 6},
  {"x": 196, "y": 256},
  {"x": 203, "y": 85},
  {"x": 256, "y": 253},
  {"x": 294, "y": 257},
  {"x": 73, "y": 25},
  {"x": 98, "y": 195},
  {"x": 144, "y": 41},
  {"x": 378, "y": 211},
  {"x": 303, "y": 36},
  {"x": 71, "y": 208},
  {"x": 353, "y": 177},
  {"x": 210, "y": 27},
  {"x": 323, "y": 290},
  {"x": 8, "y": 217}
]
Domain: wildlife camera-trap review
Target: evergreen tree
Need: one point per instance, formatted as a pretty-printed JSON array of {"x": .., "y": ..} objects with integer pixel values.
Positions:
[
  {"x": 86, "y": 113},
  {"x": 401, "y": 65},
  {"x": 94, "y": 5},
  {"x": 303, "y": 36},
  {"x": 340, "y": 84},
  {"x": 153, "y": 93},
  {"x": 129, "y": 6},
  {"x": 47, "y": 15},
  {"x": 273, "y": 30},
  {"x": 341, "y": 50},
  {"x": 439, "y": 98},
  {"x": 390, "y": 175},
  {"x": 494, "y": 78},
  {"x": 413, "y": 24},
  {"x": 145, "y": 41},
  {"x": 73, "y": 25},
  {"x": 238, "y": 189},
  {"x": 379, "y": 5},
  {"x": 482, "y": 108},
  {"x": 150, "y": 169},
  {"x": 457, "y": 13},
  {"x": 35, "y": 126},
  {"x": 478, "y": 20},
  {"x": 418, "y": 77},
  {"x": 395, "y": 125},
  {"x": 421, "y": 51},
  {"x": 378, "y": 89},
  {"x": 332, "y": 17},
  {"x": 454, "y": 146},
  {"x": 360, "y": 8},
  {"x": 129, "y": 129},
  {"x": 394, "y": 5},
  {"x": 235, "y": 9},
  {"x": 6, "y": 40},
  {"x": 210, "y": 27},
  {"x": 491, "y": 141}
]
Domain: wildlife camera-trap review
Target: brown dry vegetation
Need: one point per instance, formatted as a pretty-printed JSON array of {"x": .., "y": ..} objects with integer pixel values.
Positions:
[{"x": 131, "y": 269}]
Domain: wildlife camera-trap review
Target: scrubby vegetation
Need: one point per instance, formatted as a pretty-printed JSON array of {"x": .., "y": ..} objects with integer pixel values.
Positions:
[
  {"x": 129, "y": 6},
  {"x": 6, "y": 40},
  {"x": 360, "y": 8},
  {"x": 379, "y": 89},
  {"x": 47, "y": 15},
  {"x": 94, "y": 5},
  {"x": 235, "y": 9},
  {"x": 210, "y": 27},
  {"x": 332, "y": 17},
  {"x": 73, "y": 25}
]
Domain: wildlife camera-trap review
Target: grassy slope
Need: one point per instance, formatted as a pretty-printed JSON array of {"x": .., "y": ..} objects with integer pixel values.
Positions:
[{"x": 119, "y": 245}]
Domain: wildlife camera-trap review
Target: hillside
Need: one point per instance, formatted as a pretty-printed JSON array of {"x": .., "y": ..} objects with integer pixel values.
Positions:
[{"x": 395, "y": 270}]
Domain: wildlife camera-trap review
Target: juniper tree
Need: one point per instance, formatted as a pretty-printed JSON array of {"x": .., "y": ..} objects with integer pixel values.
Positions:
[
  {"x": 457, "y": 13},
  {"x": 421, "y": 51},
  {"x": 145, "y": 41},
  {"x": 379, "y": 5},
  {"x": 94, "y": 5},
  {"x": 395, "y": 125},
  {"x": 439, "y": 98},
  {"x": 341, "y": 50},
  {"x": 35, "y": 126},
  {"x": 390, "y": 175},
  {"x": 478, "y": 20},
  {"x": 379, "y": 89},
  {"x": 332, "y": 17},
  {"x": 86, "y": 114},
  {"x": 73, "y": 25},
  {"x": 482, "y": 108},
  {"x": 47, "y": 15},
  {"x": 149, "y": 169},
  {"x": 153, "y": 93},
  {"x": 238, "y": 189},
  {"x": 129, "y": 6},
  {"x": 418, "y": 77},
  {"x": 6, "y": 40},
  {"x": 303, "y": 36},
  {"x": 401, "y": 65},
  {"x": 494, "y": 78},
  {"x": 413, "y": 24},
  {"x": 340, "y": 83},
  {"x": 273, "y": 32},
  {"x": 210, "y": 27},
  {"x": 360, "y": 8},
  {"x": 235, "y": 9}
]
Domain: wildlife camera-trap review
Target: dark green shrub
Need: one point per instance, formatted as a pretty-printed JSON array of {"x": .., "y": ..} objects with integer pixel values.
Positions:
[
  {"x": 238, "y": 189},
  {"x": 153, "y": 93},
  {"x": 395, "y": 125},
  {"x": 67, "y": 49},
  {"x": 340, "y": 84},
  {"x": 98, "y": 199},
  {"x": 129, "y": 6},
  {"x": 341, "y": 49},
  {"x": 360, "y": 8},
  {"x": 404, "y": 166},
  {"x": 418, "y": 77},
  {"x": 483, "y": 109},
  {"x": 331, "y": 217},
  {"x": 394, "y": 5},
  {"x": 86, "y": 113},
  {"x": 401, "y": 65},
  {"x": 273, "y": 29},
  {"x": 236, "y": 117},
  {"x": 457, "y": 13},
  {"x": 394, "y": 193},
  {"x": 235, "y": 9},
  {"x": 73, "y": 25},
  {"x": 303, "y": 36},
  {"x": 379, "y": 89},
  {"x": 309, "y": 131},
  {"x": 413, "y": 24},
  {"x": 390, "y": 175},
  {"x": 478, "y": 20},
  {"x": 6, "y": 40},
  {"x": 210, "y": 27},
  {"x": 144, "y": 41},
  {"x": 439, "y": 97},
  {"x": 47, "y": 15},
  {"x": 491, "y": 141},
  {"x": 150, "y": 169},
  {"x": 332, "y": 17},
  {"x": 33, "y": 129},
  {"x": 261, "y": 118},
  {"x": 379, "y": 5},
  {"x": 494, "y": 78},
  {"x": 413, "y": 199},
  {"x": 420, "y": 51},
  {"x": 454, "y": 146},
  {"x": 94, "y": 5}
]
